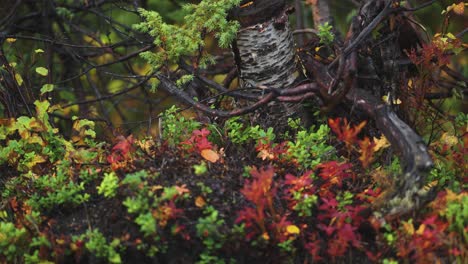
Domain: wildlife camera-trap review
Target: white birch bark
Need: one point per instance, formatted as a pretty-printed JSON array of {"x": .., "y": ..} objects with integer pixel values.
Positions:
[{"x": 266, "y": 54}]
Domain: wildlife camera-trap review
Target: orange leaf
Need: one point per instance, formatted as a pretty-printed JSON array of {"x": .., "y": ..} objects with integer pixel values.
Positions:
[
  {"x": 459, "y": 8},
  {"x": 344, "y": 131},
  {"x": 408, "y": 228},
  {"x": 200, "y": 202},
  {"x": 367, "y": 151},
  {"x": 265, "y": 154},
  {"x": 182, "y": 189},
  {"x": 421, "y": 229},
  {"x": 210, "y": 155}
]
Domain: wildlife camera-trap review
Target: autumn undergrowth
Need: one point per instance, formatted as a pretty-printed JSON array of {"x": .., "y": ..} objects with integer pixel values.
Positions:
[
  {"x": 228, "y": 191},
  {"x": 231, "y": 192}
]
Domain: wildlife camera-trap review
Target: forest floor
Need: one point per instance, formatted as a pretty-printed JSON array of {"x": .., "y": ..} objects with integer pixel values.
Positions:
[{"x": 222, "y": 193}]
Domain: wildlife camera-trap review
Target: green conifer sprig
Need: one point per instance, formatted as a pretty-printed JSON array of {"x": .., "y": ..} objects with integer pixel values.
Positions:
[{"x": 175, "y": 41}]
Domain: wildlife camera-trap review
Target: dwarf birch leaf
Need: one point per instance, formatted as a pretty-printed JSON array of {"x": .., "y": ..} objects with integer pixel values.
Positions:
[
  {"x": 19, "y": 79},
  {"x": 42, "y": 71},
  {"x": 47, "y": 88}
]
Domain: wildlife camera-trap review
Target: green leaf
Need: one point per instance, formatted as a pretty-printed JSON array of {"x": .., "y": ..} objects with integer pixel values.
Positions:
[
  {"x": 47, "y": 88},
  {"x": 19, "y": 79},
  {"x": 42, "y": 71},
  {"x": 109, "y": 185},
  {"x": 39, "y": 51},
  {"x": 41, "y": 111},
  {"x": 184, "y": 79}
]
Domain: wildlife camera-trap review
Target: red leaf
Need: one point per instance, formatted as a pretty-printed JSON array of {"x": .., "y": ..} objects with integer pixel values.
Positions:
[
  {"x": 347, "y": 233},
  {"x": 314, "y": 249},
  {"x": 260, "y": 188},
  {"x": 124, "y": 145},
  {"x": 298, "y": 183},
  {"x": 121, "y": 150},
  {"x": 198, "y": 141},
  {"x": 328, "y": 229},
  {"x": 334, "y": 172}
]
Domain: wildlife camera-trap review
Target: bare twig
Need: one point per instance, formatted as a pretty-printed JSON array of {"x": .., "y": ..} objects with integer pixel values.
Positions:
[{"x": 110, "y": 96}]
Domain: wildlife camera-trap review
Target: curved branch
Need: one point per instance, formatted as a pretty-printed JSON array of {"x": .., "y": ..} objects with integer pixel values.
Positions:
[
  {"x": 296, "y": 94},
  {"x": 171, "y": 88},
  {"x": 415, "y": 158}
]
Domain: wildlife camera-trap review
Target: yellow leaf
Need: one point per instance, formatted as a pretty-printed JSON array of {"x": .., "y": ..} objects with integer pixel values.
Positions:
[
  {"x": 19, "y": 79},
  {"x": 146, "y": 145},
  {"x": 459, "y": 8},
  {"x": 386, "y": 99},
  {"x": 36, "y": 139},
  {"x": 451, "y": 196},
  {"x": 381, "y": 143},
  {"x": 292, "y": 229},
  {"x": 11, "y": 40},
  {"x": 265, "y": 154},
  {"x": 36, "y": 160},
  {"x": 156, "y": 187},
  {"x": 247, "y": 4},
  {"x": 451, "y": 36},
  {"x": 408, "y": 227},
  {"x": 265, "y": 236},
  {"x": 448, "y": 139},
  {"x": 210, "y": 155},
  {"x": 421, "y": 229},
  {"x": 74, "y": 247},
  {"x": 200, "y": 202},
  {"x": 410, "y": 83}
]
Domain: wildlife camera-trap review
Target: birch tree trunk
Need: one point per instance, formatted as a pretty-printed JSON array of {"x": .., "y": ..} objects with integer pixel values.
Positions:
[{"x": 264, "y": 48}]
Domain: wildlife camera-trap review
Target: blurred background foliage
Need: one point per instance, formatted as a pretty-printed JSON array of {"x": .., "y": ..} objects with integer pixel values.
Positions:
[{"x": 91, "y": 53}]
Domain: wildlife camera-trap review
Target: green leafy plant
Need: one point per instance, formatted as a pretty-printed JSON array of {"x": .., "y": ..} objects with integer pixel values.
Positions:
[
  {"x": 208, "y": 230},
  {"x": 96, "y": 243},
  {"x": 13, "y": 241},
  {"x": 40, "y": 144},
  {"x": 109, "y": 185},
  {"x": 310, "y": 147},
  {"x": 325, "y": 33},
  {"x": 58, "y": 190},
  {"x": 177, "y": 128},
  {"x": 239, "y": 133},
  {"x": 200, "y": 169},
  {"x": 456, "y": 213},
  {"x": 154, "y": 206}
]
